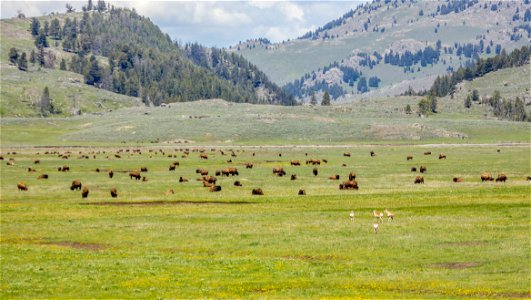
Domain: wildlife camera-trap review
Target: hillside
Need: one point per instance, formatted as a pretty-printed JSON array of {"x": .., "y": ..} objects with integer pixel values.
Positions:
[
  {"x": 399, "y": 43},
  {"x": 118, "y": 51}
]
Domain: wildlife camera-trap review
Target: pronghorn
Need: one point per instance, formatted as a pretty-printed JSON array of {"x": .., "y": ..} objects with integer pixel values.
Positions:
[
  {"x": 378, "y": 215},
  {"x": 375, "y": 226},
  {"x": 352, "y": 215},
  {"x": 390, "y": 215}
]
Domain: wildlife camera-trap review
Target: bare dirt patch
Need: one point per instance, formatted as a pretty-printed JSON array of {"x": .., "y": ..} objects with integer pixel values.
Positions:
[
  {"x": 457, "y": 265},
  {"x": 77, "y": 245},
  {"x": 156, "y": 203}
]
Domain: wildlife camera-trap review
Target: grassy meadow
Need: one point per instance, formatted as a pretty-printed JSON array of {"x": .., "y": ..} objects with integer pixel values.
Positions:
[{"x": 448, "y": 240}]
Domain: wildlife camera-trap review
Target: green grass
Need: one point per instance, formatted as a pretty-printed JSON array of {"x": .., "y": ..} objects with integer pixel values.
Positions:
[{"x": 447, "y": 241}]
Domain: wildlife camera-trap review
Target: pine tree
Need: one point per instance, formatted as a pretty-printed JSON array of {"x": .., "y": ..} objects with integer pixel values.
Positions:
[
  {"x": 13, "y": 55},
  {"x": 22, "y": 62},
  {"x": 432, "y": 100},
  {"x": 326, "y": 99},
  {"x": 35, "y": 26},
  {"x": 423, "y": 107},
  {"x": 313, "y": 100},
  {"x": 519, "y": 113},
  {"x": 45, "y": 102},
  {"x": 69, "y": 8},
  {"x": 62, "y": 65},
  {"x": 408, "y": 109},
  {"x": 41, "y": 40},
  {"x": 33, "y": 57},
  {"x": 89, "y": 5},
  {"x": 94, "y": 75},
  {"x": 55, "y": 29},
  {"x": 475, "y": 95},
  {"x": 41, "y": 57},
  {"x": 46, "y": 27},
  {"x": 468, "y": 101}
]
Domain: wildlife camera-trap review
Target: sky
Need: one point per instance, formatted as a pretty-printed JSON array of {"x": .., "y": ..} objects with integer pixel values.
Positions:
[{"x": 213, "y": 23}]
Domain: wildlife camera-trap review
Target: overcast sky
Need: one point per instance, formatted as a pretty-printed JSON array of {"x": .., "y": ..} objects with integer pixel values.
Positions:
[{"x": 214, "y": 23}]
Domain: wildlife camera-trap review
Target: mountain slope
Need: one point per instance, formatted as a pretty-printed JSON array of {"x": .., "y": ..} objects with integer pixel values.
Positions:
[{"x": 402, "y": 43}]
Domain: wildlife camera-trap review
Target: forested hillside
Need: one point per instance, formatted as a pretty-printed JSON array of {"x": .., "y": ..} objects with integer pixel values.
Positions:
[{"x": 118, "y": 50}]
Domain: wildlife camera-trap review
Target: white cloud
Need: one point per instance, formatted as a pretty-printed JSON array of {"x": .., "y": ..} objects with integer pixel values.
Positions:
[{"x": 292, "y": 11}]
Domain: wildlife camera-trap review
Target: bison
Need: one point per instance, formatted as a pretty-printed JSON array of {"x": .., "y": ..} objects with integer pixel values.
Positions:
[
  {"x": 458, "y": 179},
  {"x": 111, "y": 174},
  {"x": 143, "y": 169},
  {"x": 37, "y": 161},
  {"x": 210, "y": 179},
  {"x": 409, "y": 157},
  {"x": 422, "y": 169},
  {"x": 295, "y": 163},
  {"x": 373, "y": 154},
  {"x": 486, "y": 176},
  {"x": 135, "y": 175},
  {"x": 419, "y": 180},
  {"x": 313, "y": 161},
  {"x": 293, "y": 177},
  {"x": 85, "y": 192},
  {"x": 215, "y": 188},
  {"x": 229, "y": 171},
  {"x": 302, "y": 192},
  {"x": 144, "y": 179},
  {"x": 279, "y": 171},
  {"x": 249, "y": 165},
  {"x": 22, "y": 186},
  {"x": 43, "y": 176},
  {"x": 413, "y": 169},
  {"x": 203, "y": 156},
  {"x": 346, "y": 154},
  {"x": 427, "y": 153},
  {"x": 114, "y": 192},
  {"x": 31, "y": 170},
  {"x": 202, "y": 171},
  {"x": 315, "y": 172},
  {"x": 351, "y": 176},
  {"x": 257, "y": 192},
  {"x": 172, "y": 167},
  {"x": 348, "y": 185},
  {"x": 182, "y": 179},
  {"x": 237, "y": 183},
  {"x": 76, "y": 185},
  {"x": 334, "y": 177},
  {"x": 501, "y": 177},
  {"x": 64, "y": 169},
  {"x": 442, "y": 156}
]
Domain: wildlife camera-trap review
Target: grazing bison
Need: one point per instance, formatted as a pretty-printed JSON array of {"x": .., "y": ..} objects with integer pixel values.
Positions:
[
  {"x": 313, "y": 161},
  {"x": 348, "y": 185},
  {"x": 201, "y": 171},
  {"x": 143, "y": 169},
  {"x": 208, "y": 184},
  {"x": 325, "y": 161},
  {"x": 249, "y": 165},
  {"x": 351, "y": 176},
  {"x": 422, "y": 169},
  {"x": 10, "y": 163},
  {"x": 346, "y": 154},
  {"x": 210, "y": 179},
  {"x": 302, "y": 192},
  {"x": 528, "y": 178},
  {"x": 372, "y": 153},
  {"x": 172, "y": 167},
  {"x": 144, "y": 179},
  {"x": 280, "y": 155},
  {"x": 427, "y": 153},
  {"x": 218, "y": 173},
  {"x": 409, "y": 157},
  {"x": 257, "y": 192},
  {"x": 501, "y": 177},
  {"x": 343, "y": 165},
  {"x": 43, "y": 176},
  {"x": 31, "y": 170},
  {"x": 203, "y": 156},
  {"x": 419, "y": 180},
  {"x": 237, "y": 183},
  {"x": 64, "y": 169},
  {"x": 334, "y": 177},
  {"x": 22, "y": 186},
  {"x": 293, "y": 177},
  {"x": 229, "y": 171},
  {"x": 37, "y": 161},
  {"x": 114, "y": 192},
  {"x": 413, "y": 169},
  {"x": 182, "y": 179},
  {"x": 442, "y": 156},
  {"x": 486, "y": 176},
  {"x": 85, "y": 192},
  {"x": 215, "y": 188},
  {"x": 135, "y": 175},
  {"x": 315, "y": 172},
  {"x": 111, "y": 173},
  {"x": 279, "y": 171},
  {"x": 458, "y": 179},
  {"x": 76, "y": 185},
  {"x": 295, "y": 163}
]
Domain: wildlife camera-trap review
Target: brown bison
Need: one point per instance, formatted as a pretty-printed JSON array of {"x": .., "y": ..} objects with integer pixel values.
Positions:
[
  {"x": 31, "y": 170},
  {"x": 351, "y": 176},
  {"x": 237, "y": 183},
  {"x": 409, "y": 157},
  {"x": 334, "y": 177},
  {"x": 315, "y": 172},
  {"x": 302, "y": 192},
  {"x": 486, "y": 176},
  {"x": 293, "y": 177},
  {"x": 257, "y": 192},
  {"x": 64, "y": 169},
  {"x": 313, "y": 161},
  {"x": 22, "y": 186},
  {"x": 202, "y": 171},
  {"x": 85, "y": 192},
  {"x": 144, "y": 179},
  {"x": 10, "y": 163},
  {"x": 427, "y": 153},
  {"x": 210, "y": 179},
  {"x": 348, "y": 185},
  {"x": 372, "y": 153},
  {"x": 295, "y": 163},
  {"x": 182, "y": 179},
  {"x": 229, "y": 171},
  {"x": 422, "y": 169},
  {"x": 249, "y": 165},
  {"x": 37, "y": 161},
  {"x": 203, "y": 156},
  {"x": 114, "y": 192},
  {"x": 208, "y": 184},
  {"x": 143, "y": 169},
  {"x": 458, "y": 179},
  {"x": 215, "y": 188},
  {"x": 218, "y": 173},
  {"x": 135, "y": 175},
  {"x": 442, "y": 156},
  {"x": 413, "y": 169},
  {"x": 111, "y": 173},
  {"x": 419, "y": 180},
  {"x": 501, "y": 177},
  {"x": 43, "y": 176},
  {"x": 279, "y": 171},
  {"x": 346, "y": 154},
  {"x": 528, "y": 178},
  {"x": 76, "y": 185},
  {"x": 172, "y": 167}
]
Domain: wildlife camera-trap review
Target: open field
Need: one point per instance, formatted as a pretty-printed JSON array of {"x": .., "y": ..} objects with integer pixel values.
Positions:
[{"x": 448, "y": 239}]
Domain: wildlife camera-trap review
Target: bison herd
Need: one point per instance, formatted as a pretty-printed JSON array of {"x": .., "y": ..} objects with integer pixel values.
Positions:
[{"x": 210, "y": 181}]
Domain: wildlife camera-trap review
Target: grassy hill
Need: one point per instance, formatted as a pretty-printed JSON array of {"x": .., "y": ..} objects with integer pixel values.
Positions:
[
  {"x": 397, "y": 27},
  {"x": 21, "y": 91}
]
